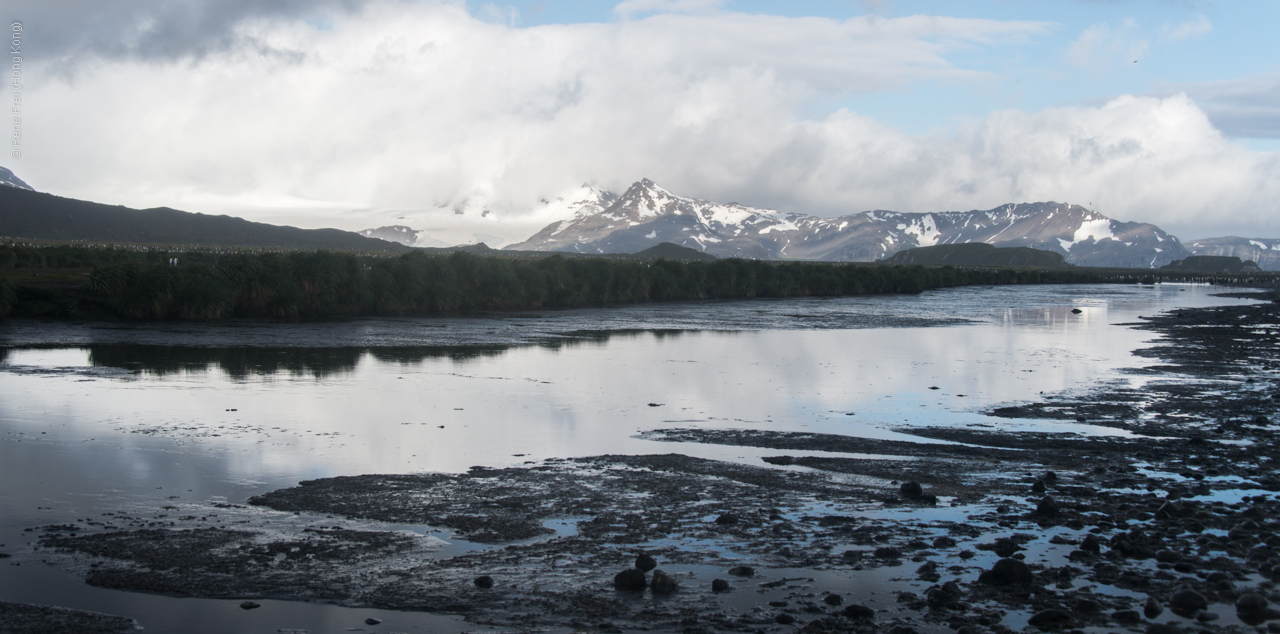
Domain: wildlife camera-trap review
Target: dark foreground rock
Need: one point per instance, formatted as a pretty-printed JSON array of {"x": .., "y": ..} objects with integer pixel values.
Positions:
[{"x": 25, "y": 618}]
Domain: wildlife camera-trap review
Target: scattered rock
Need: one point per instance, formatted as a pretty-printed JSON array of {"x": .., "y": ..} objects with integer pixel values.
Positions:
[
  {"x": 944, "y": 542},
  {"x": 645, "y": 562},
  {"x": 483, "y": 582},
  {"x": 911, "y": 490},
  {"x": 663, "y": 583},
  {"x": 630, "y": 580},
  {"x": 727, "y": 518},
  {"x": 784, "y": 619},
  {"x": 1126, "y": 616},
  {"x": 742, "y": 571},
  {"x": 719, "y": 585},
  {"x": 1187, "y": 601},
  {"x": 1152, "y": 608},
  {"x": 1051, "y": 618},
  {"x": 250, "y": 605},
  {"x": 372, "y": 621},
  {"x": 888, "y": 552},
  {"x": 1251, "y": 602},
  {"x": 1008, "y": 572},
  {"x": 1087, "y": 606},
  {"x": 1047, "y": 507},
  {"x": 1005, "y": 547},
  {"x": 1091, "y": 544},
  {"x": 858, "y": 612},
  {"x": 833, "y": 599}
]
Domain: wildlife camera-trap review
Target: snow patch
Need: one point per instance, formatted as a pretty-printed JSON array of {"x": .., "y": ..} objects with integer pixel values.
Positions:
[{"x": 1099, "y": 230}]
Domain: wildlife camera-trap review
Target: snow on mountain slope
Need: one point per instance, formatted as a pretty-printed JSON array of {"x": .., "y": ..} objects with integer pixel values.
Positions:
[
  {"x": 646, "y": 214},
  {"x": 9, "y": 178},
  {"x": 403, "y": 235},
  {"x": 1264, "y": 251}
]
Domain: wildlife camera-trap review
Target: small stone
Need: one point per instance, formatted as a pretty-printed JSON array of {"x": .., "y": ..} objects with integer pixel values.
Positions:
[
  {"x": 1091, "y": 544},
  {"x": 646, "y": 562},
  {"x": 250, "y": 605},
  {"x": 1005, "y": 547},
  {"x": 858, "y": 612},
  {"x": 911, "y": 490},
  {"x": 1047, "y": 507},
  {"x": 372, "y": 621},
  {"x": 1152, "y": 608},
  {"x": 484, "y": 582},
  {"x": 967, "y": 554},
  {"x": 719, "y": 585},
  {"x": 784, "y": 619},
  {"x": 1187, "y": 601},
  {"x": 742, "y": 571},
  {"x": 1050, "y": 618},
  {"x": 944, "y": 542},
  {"x": 833, "y": 599},
  {"x": 663, "y": 583},
  {"x": 1163, "y": 628},
  {"x": 1126, "y": 616},
  {"x": 629, "y": 580},
  {"x": 1251, "y": 602},
  {"x": 888, "y": 552},
  {"x": 1168, "y": 556},
  {"x": 727, "y": 518},
  {"x": 1205, "y": 616},
  {"x": 1008, "y": 572},
  {"x": 1087, "y": 606},
  {"x": 1038, "y": 487}
]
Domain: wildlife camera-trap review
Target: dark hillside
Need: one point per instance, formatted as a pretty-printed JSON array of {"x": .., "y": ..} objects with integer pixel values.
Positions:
[
  {"x": 36, "y": 215},
  {"x": 976, "y": 254}
]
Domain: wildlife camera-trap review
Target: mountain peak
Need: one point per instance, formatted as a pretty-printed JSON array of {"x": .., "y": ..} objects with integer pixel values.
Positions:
[
  {"x": 10, "y": 179},
  {"x": 646, "y": 215}
]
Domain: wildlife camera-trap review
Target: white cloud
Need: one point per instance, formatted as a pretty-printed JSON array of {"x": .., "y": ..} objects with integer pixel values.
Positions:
[
  {"x": 406, "y": 114},
  {"x": 631, "y": 7},
  {"x": 1190, "y": 29},
  {"x": 1246, "y": 106},
  {"x": 1100, "y": 46}
]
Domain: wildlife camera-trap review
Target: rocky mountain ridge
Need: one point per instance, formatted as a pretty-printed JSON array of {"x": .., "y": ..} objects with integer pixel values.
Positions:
[{"x": 647, "y": 214}]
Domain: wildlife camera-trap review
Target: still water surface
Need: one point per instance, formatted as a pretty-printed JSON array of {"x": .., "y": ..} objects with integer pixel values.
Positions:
[{"x": 98, "y": 418}]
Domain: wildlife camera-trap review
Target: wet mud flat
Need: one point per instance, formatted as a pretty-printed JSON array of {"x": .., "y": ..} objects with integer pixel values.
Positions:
[{"x": 1170, "y": 526}]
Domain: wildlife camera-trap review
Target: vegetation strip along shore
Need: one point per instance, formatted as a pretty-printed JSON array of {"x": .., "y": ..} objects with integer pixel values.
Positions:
[{"x": 70, "y": 282}]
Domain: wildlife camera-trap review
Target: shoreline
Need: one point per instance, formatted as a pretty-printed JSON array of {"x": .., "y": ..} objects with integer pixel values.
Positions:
[{"x": 1148, "y": 504}]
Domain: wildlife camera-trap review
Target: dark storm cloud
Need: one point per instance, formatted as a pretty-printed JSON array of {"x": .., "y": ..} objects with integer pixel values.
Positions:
[{"x": 68, "y": 31}]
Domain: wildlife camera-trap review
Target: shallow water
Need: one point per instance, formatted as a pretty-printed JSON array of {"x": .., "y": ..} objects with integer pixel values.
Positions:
[{"x": 97, "y": 418}]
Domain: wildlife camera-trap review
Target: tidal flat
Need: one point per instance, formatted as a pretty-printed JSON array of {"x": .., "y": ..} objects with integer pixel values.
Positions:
[{"x": 976, "y": 460}]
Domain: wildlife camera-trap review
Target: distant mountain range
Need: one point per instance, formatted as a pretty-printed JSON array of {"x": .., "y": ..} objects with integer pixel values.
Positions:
[
  {"x": 1264, "y": 252},
  {"x": 30, "y": 214},
  {"x": 647, "y": 214}
]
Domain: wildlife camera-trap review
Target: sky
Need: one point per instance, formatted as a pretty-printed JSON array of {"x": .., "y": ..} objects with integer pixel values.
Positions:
[{"x": 463, "y": 118}]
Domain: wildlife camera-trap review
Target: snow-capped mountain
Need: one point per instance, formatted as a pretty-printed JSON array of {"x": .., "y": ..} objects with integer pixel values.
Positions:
[
  {"x": 9, "y": 178},
  {"x": 1264, "y": 251},
  {"x": 403, "y": 235},
  {"x": 647, "y": 214}
]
